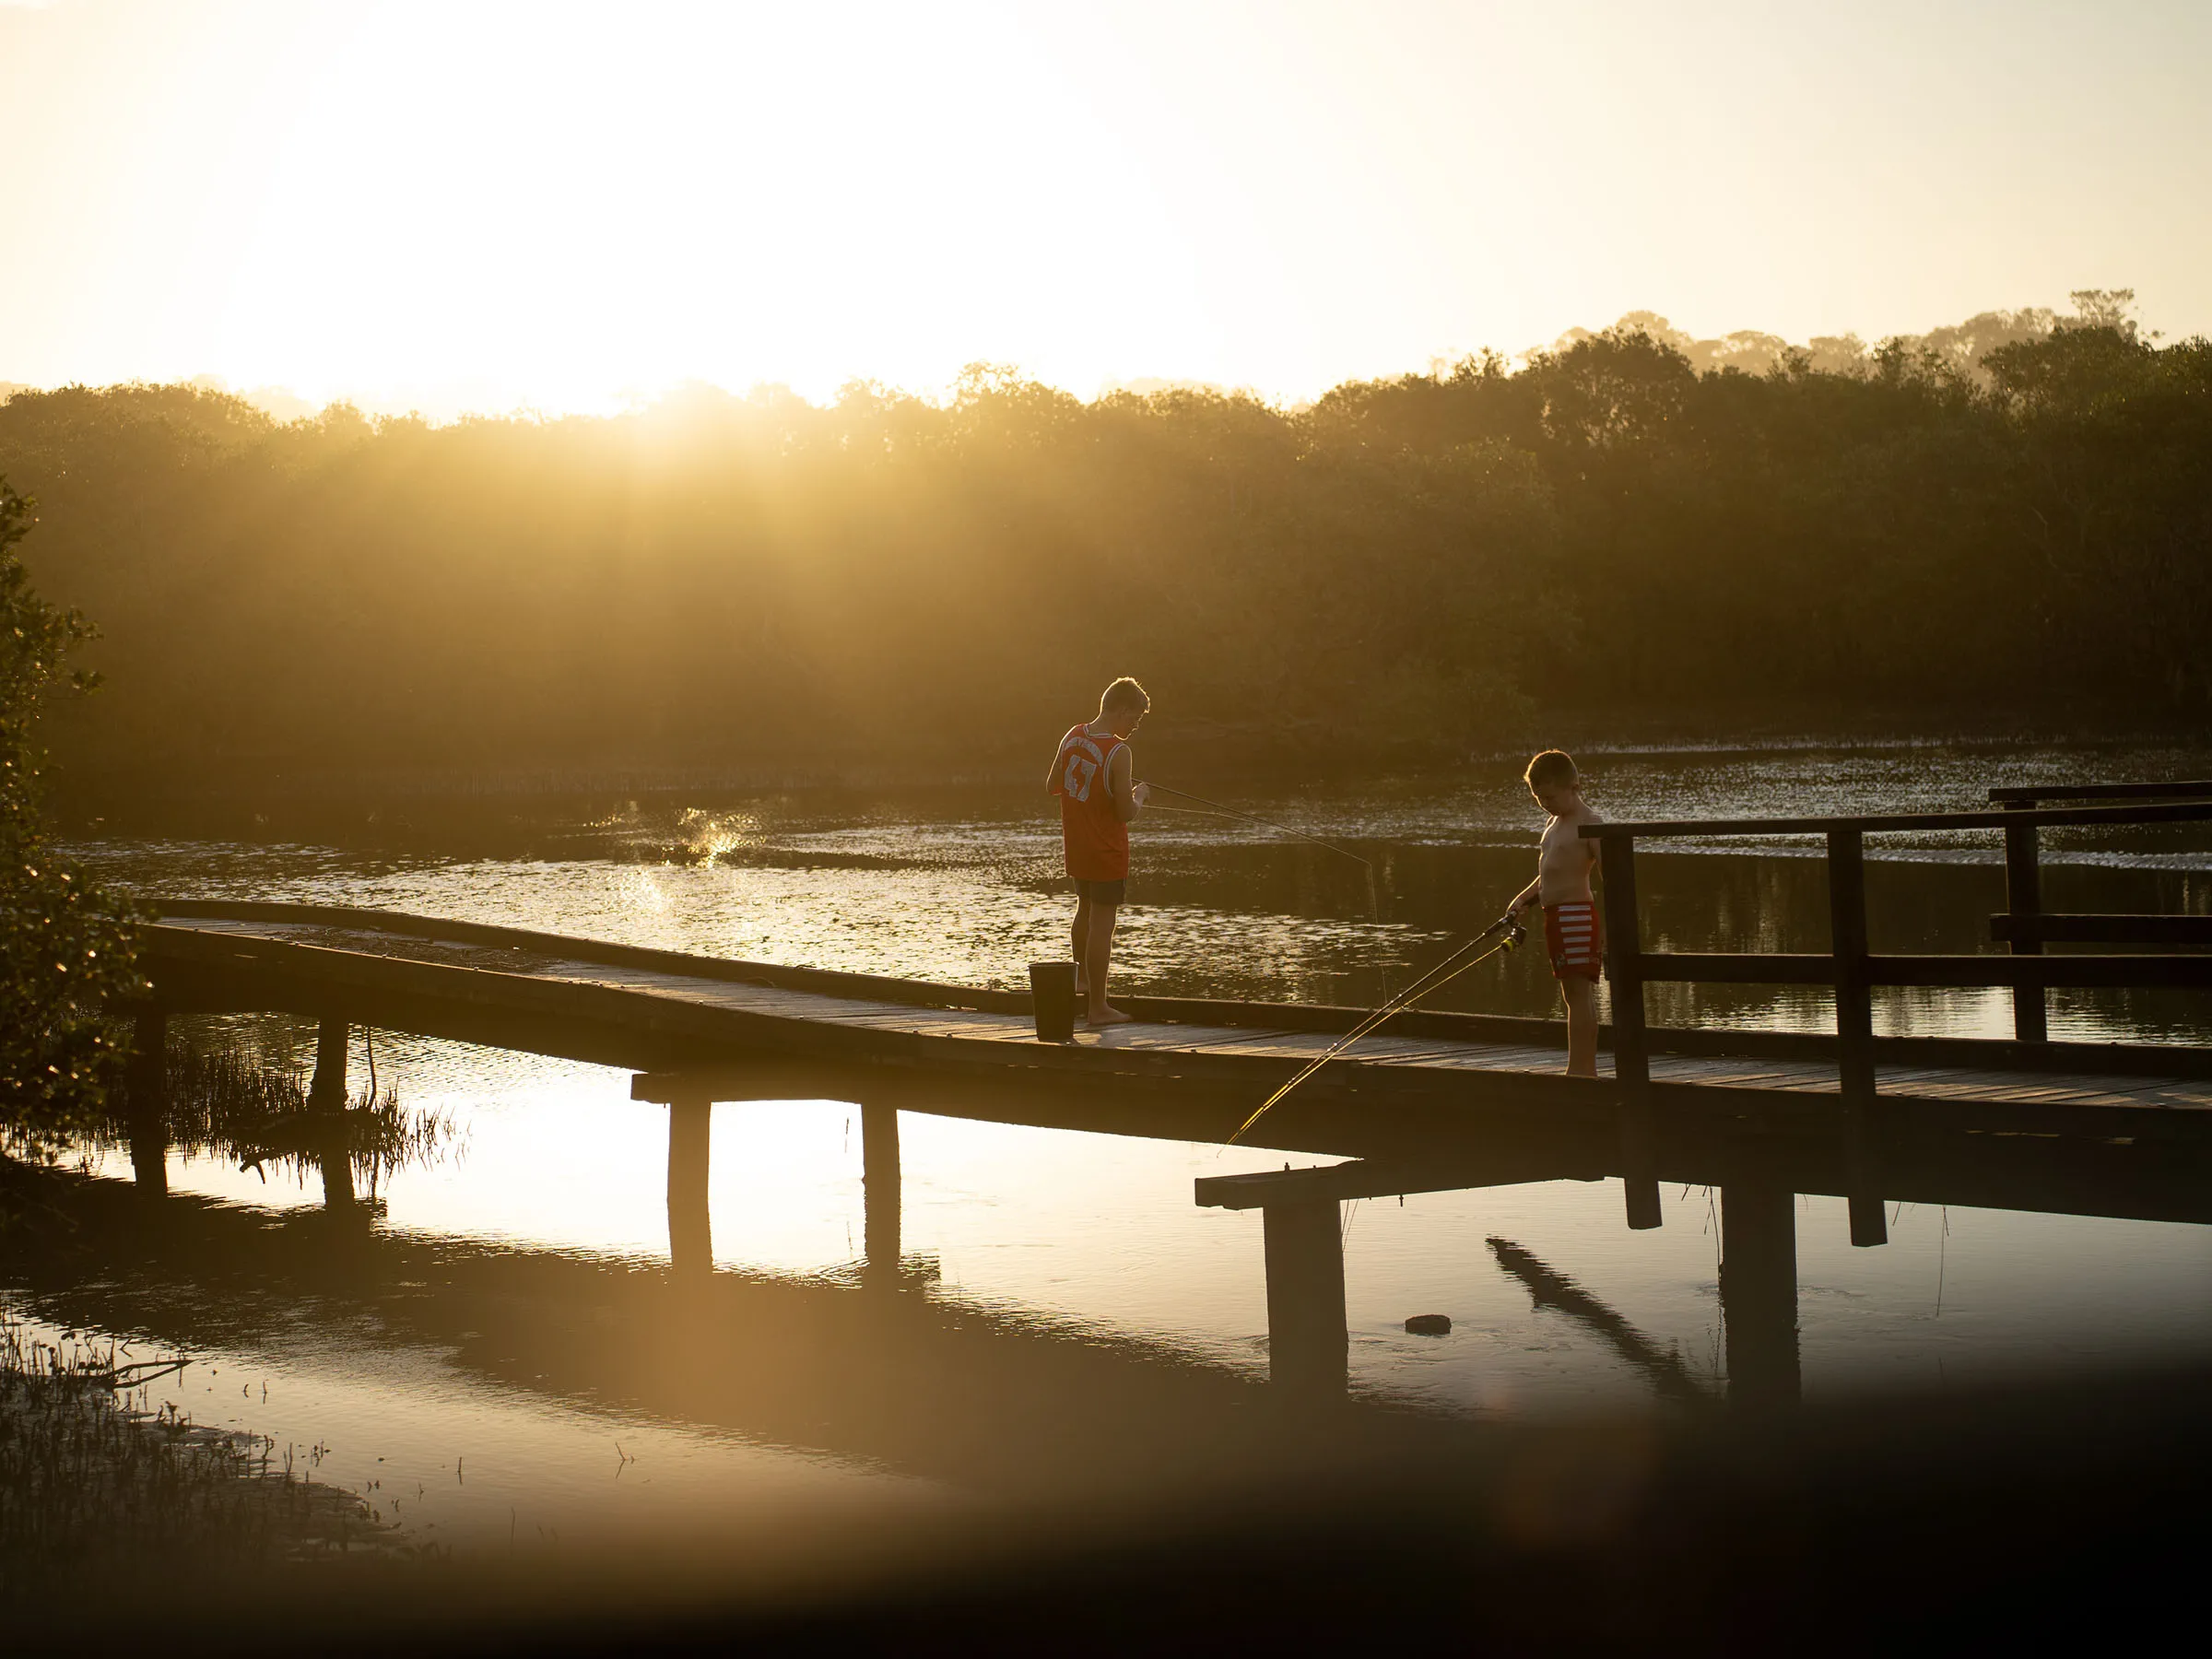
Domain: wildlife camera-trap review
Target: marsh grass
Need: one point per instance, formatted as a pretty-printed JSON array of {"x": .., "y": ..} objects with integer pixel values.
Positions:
[
  {"x": 234, "y": 1104},
  {"x": 98, "y": 1476}
]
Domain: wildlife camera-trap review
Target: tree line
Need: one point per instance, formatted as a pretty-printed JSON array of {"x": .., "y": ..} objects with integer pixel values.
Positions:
[{"x": 1405, "y": 568}]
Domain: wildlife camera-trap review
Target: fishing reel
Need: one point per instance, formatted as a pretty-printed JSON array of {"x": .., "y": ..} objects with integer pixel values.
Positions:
[{"x": 1514, "y": 932}]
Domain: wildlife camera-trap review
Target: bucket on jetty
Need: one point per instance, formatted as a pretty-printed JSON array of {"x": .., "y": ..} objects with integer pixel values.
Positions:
[{"x": 1052, "y": 995}]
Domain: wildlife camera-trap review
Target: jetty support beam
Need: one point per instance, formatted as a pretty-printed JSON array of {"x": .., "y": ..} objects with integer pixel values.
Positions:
[
  {"x": 1758, "y": 1292},
  {"x": 1307, "y": 1339},
  {"x": 880, "y": 1194},
  {"x": 690, "y": 1228},
  {"x": 1854, "y": 1031},
  {"x": 1631, "y": 1049},
  {"x": 2024, "y": 902}
]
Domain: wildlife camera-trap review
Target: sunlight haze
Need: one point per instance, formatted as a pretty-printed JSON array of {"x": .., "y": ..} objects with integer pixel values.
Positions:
[{"x": 479, "y": 206}]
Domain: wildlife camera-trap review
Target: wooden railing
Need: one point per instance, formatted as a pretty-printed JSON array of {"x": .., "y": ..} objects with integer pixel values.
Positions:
[
  {"x": 1852, "y": 970},
  {"x": 2028, "y": 928}
]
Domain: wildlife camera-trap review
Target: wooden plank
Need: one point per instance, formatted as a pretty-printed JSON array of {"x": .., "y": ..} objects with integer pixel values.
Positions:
[
  {"x": 1503, "y": 1058},
  {"x": 1427, "y": 1055},
  {"x": 2190, "y": 790},
  {"x": 2182, "y": 813},
  {"x": 2021, "y": 931},
  {"x": 1720, "y": 1074},
  {"x": 1194, "y": 1040},
  {"x": 1739, "y": 968},
  {"x": 2181, "y": 971},
  {"x": 1983, "y": 971},
  {"x": 1383, "y": 1178},
  {"x": 1632, "y": 1046}
]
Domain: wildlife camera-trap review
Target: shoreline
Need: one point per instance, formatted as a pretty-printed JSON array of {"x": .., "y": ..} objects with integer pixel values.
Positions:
[
  {"x": 90, "y": 1484},
  {"x": 83, "y": 796}
]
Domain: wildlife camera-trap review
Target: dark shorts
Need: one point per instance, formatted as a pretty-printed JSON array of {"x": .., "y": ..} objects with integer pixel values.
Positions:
[{"x": 1103, "y": 892}]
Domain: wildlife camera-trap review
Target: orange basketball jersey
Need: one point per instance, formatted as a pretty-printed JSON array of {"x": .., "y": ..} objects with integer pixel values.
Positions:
[{"x": 1091, "y": 832}]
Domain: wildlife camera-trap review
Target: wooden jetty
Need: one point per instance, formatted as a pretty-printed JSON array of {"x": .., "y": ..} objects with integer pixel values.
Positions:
[
  {"x": 1437, "y": 1100},
  {"x": 661, "y": 1011}
]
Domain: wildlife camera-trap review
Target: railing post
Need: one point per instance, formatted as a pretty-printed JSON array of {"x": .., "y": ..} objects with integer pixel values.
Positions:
[
  {"x": 2024, "y": 902},
  {"x": 1855, "y": 1028},
  {"x": 1632, "y": 1053}
]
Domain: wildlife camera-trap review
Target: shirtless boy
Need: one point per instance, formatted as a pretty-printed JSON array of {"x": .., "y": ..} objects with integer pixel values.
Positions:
[
  {"x": 1572, "y": 936},
  {"x": 1094, "y": 777}
]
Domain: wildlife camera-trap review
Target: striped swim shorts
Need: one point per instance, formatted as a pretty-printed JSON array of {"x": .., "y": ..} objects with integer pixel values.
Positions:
[{"x": 1574, "y": 940}]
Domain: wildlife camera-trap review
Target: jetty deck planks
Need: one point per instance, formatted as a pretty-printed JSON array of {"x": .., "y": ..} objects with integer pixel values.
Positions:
[{"x": 315, "y": 951}]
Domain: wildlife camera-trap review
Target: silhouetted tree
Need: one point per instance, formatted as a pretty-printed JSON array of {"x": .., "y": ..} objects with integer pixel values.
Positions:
[
  {"x": 65, "y": 948},
  {"x": 1409, "y": 568}
]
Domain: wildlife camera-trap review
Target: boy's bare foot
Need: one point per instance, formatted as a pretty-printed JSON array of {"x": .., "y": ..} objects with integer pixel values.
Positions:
[{"x": 1108, "y": 1016}]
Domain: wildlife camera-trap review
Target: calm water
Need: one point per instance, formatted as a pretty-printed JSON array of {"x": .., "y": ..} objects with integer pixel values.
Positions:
[{"x": 495, "y": 1371}]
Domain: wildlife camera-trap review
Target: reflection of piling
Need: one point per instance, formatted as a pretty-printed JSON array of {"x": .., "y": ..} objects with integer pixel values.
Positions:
[
  {"x": 146, "y": 1098},
  {"x": 690, "y": 1232},
  {"x": 1306, "y": 1335},
  {"x": 1758, "y": 1292},
  {"x": 880, "y": 1194},
  {"x": 326, "y": 1097}
]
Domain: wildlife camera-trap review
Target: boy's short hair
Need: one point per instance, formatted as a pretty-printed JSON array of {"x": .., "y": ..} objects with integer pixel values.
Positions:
[
  {"x": 1125, "y": 693},
  {"x": 1551, "y": 768}
]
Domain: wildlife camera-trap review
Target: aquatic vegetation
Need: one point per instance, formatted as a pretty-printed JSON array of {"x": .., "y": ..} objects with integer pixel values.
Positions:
[
  {"x": 233, "y": 1104},
  {"x": 96, "y": 1473}
]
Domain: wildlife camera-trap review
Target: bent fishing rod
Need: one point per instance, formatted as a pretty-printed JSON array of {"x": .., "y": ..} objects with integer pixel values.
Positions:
[
  {"x": 1508, "y": 933},
  {"x": 1253, "y": 819}
]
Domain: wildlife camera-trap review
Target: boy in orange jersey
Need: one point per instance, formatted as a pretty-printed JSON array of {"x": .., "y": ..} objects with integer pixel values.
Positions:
[
  {"x": 1573, "y": 935},
  {"x": 1094, "y": 776}
]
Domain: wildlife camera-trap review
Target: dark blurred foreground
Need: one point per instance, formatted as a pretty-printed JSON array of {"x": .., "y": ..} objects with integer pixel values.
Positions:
[{"x": 1957, "y": 1518}]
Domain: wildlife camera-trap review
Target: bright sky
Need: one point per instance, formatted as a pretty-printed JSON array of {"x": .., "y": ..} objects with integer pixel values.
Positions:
[{"x": 490, "y": 205}]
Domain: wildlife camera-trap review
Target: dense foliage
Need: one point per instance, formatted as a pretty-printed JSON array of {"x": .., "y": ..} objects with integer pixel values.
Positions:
[
  {"x": 65, "y": 948},
  {"x": 2022, "y": 522}
]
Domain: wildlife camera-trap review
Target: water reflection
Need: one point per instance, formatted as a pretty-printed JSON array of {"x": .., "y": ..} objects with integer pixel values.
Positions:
[
  {"x": 978, "y": 1295},
  {"x": 252, "y": 1105},
  {"x": 965, "y": 887}
]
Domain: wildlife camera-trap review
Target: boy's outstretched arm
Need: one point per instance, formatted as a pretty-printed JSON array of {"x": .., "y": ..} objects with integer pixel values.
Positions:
[{"x": 1128, "y": 795}]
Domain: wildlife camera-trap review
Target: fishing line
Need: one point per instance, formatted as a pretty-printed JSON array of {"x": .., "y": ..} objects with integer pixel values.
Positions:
[
  {"x": 1254, "y": 818},
  {"x": 1509, "y": 933}
]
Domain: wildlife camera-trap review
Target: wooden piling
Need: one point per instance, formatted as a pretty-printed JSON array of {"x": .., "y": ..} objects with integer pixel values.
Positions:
[
  {"x": 2024, "y": 904},
  {"x": 1307, "y": 1339},
  {"x": 880, "y": 1193},
  {"x": 1759, "y": 1291},
  {"x": 690, "y": 1230},
  {"x": 1855, "y": 1030},
  {"x": 146, "y": 1099},
  {"x": 1632, "y": 1051}
]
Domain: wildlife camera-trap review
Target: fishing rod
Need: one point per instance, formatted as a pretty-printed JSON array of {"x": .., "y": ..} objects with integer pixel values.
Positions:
[
  {"x": 1508, "y": 933},
  {"x": 1253, "y": 819}
]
